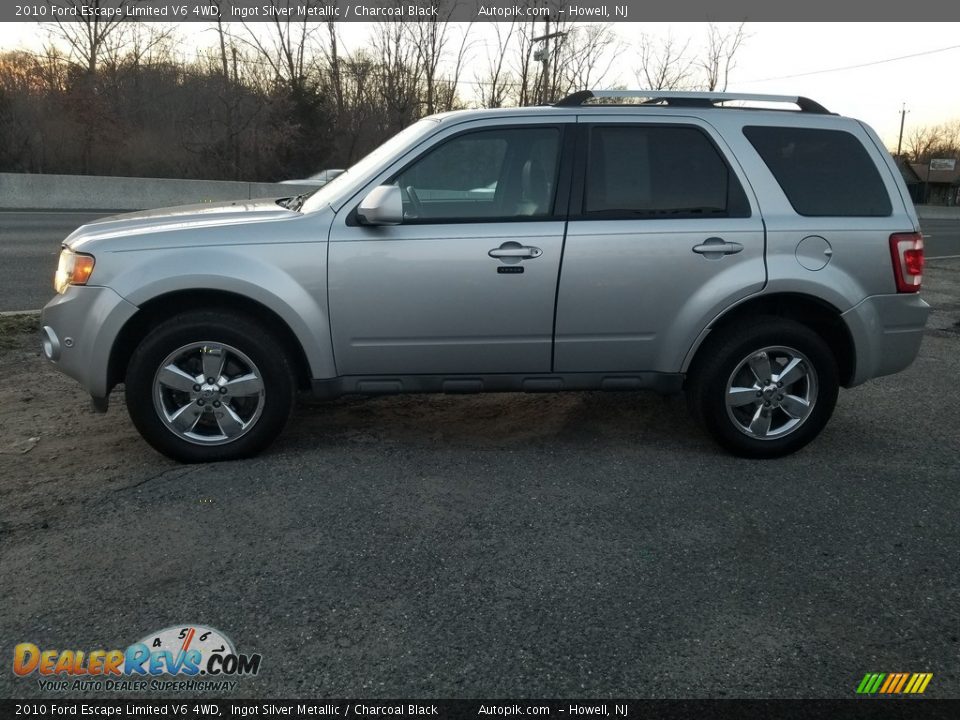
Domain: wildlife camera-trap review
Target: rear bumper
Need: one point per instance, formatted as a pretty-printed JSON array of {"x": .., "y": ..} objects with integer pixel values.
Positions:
[
  {"x": 78, "y": 332},
  {"x": 887, "y": 331}
]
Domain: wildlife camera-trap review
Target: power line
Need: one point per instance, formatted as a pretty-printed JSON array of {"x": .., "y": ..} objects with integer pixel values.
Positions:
[{"x": 854, "y": 67}]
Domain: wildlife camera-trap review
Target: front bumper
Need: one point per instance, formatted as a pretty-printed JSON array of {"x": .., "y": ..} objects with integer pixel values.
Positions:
[
  {"x": 78, "y": 332},
  {"x": 887, "y": 331}
]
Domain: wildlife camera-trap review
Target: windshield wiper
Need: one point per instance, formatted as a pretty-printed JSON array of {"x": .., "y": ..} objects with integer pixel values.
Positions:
[{"x": 294, "y": 203}]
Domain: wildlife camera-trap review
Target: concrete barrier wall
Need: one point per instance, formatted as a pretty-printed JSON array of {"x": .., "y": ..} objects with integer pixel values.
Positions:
[
  {"x": 20, "y": 191},
  {"x": 88, "y": 192}
]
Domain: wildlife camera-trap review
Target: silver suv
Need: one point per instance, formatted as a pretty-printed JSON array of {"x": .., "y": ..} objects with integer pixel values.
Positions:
[{"x": 756, "y": 258}]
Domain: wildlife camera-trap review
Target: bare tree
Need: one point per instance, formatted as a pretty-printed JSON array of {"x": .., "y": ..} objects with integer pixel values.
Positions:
[
  {"x": 143, "y": 43},
  {"x": 664, "y": 64},
  {"x": 30, "y": 88},
  {"x": 950, "y": 138},
  {"x": 432, "y": 38},
  {"x": 494, "y": 85},
  {"x": 429, "y": 38},
  {"x": 91, "y": 35},
  {"x": 222, "y": 42},
  {"x": 930, "y": 141},
  {"x": 919, "y": 143},
  {"x": 669, "y": 64},
  {"x": 547, "y": 61},
  {"x": 285, "y": 45},
  {"x": 359, "y": 79},
  {"x": 398, "y": 75},
  {"x": 586, "y": 57},
  {"x": 333, "y": 59},
  {"x": 718, "y": 58},
  {"x": 448, "y": 97},
  {"x": 525, "y": 88}
]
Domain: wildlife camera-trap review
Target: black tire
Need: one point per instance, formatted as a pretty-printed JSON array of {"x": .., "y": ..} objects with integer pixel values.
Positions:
[
  {"x": 729, "y": 350},
  {"x": 247, "y": 351}
]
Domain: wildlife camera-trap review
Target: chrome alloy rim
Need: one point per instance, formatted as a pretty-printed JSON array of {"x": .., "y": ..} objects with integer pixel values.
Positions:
[
  {"x": 771, "y": 392},
  {"x": 208, "y": 393}
]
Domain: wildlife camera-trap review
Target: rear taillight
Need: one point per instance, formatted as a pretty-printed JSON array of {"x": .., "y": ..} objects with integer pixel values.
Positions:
[{"x": 906, "y": 250}]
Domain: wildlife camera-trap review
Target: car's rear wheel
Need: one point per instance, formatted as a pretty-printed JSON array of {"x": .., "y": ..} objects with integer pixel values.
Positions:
[
  {"x": 765, "y": 390},
  {"x": 209, "y": 386}
]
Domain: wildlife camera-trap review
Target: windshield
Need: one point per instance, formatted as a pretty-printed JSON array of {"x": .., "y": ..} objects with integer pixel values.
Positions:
[{"x": 361, "y": 169}]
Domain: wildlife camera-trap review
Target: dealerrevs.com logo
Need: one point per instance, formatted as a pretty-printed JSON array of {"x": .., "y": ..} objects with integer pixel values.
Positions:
[{"x": 199, "y": 658}]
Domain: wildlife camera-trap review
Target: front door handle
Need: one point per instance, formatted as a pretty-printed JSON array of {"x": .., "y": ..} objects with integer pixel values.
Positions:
[
  {"x": 516, "y": 251},
  {"x": 715, "y": 248}
]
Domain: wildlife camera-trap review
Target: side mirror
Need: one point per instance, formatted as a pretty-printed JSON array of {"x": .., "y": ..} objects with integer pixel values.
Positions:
[{"x": 382, "y": 206}]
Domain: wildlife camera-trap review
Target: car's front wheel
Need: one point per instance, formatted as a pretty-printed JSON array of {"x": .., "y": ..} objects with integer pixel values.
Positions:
[
  {"x": 207, "y": 386},
  {"x": 764, "y": 390}
]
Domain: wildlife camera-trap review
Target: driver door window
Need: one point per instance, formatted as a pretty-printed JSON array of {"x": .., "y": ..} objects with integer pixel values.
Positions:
[{"x": 487, "y": 175}]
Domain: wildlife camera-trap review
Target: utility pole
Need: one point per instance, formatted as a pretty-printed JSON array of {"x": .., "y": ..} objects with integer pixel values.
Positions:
[
  {"x": 903, "y": 115},
  {"x": 543, "y": 55}
]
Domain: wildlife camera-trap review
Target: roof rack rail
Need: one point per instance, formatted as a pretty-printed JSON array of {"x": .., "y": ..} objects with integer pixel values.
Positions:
[{"x": 691, "y": 99}]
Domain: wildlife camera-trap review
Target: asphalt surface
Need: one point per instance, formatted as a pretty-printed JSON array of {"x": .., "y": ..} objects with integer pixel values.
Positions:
[
  {"x": 574, "y": 545},
  {"x": 941, "y": 237},
  {"x": 30, "y": 242},
  {"x": 29, "y": 245}
]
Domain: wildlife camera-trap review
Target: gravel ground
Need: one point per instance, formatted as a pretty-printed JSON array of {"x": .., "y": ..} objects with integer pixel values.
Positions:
[{"x": 582, "y": 544}]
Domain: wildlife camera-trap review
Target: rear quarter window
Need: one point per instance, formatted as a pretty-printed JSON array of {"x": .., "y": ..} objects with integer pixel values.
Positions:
[{"x": 822, "y": 172}]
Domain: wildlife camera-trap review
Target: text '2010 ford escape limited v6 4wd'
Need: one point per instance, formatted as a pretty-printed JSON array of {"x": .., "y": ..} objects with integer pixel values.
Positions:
[{"x": 756, "y": 258}]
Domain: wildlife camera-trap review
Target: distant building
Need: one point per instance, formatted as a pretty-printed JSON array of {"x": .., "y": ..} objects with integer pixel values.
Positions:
[
  {"x": 913, "y": 181},
  {"x": 936, "y": 187}
]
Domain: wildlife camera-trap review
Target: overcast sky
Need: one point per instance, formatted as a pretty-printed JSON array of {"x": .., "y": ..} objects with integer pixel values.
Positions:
[{"x": 913, "y": 63}]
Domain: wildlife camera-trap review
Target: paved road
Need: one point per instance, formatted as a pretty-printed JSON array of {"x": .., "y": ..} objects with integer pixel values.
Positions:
[
  {"x": 942, "y": 238},
  {"x": 592, "y": 544},
  {"x": 29, "y": 244},
  {"x": 30, "y": 241}
]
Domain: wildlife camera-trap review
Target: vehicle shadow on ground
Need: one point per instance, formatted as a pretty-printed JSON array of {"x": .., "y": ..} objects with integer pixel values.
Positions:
[{"x": 497, "y": 420}]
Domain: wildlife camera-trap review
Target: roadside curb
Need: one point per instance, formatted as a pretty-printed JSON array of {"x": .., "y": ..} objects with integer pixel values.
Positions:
[{"x": 14, "y": 313}]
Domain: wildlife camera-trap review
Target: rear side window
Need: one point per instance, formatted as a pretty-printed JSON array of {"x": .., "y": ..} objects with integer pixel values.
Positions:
[
  {"x": 822, "y": 172},
  {"x": 658, "y": 171}
]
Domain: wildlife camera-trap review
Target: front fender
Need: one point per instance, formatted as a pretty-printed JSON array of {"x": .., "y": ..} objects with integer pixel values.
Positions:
[{"x": 287, "y": 278}]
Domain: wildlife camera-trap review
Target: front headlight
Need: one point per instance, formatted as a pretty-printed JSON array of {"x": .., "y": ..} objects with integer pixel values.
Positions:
[{"x": 73, "y": 269}]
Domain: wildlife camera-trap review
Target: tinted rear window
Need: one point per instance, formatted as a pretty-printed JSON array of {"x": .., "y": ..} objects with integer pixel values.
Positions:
[
  {"x": 659, "y": 171},
  {"x": 822, "y": 172}
]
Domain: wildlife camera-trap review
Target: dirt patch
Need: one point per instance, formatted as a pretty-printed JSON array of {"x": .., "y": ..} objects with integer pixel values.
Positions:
[
  {"x": 55, "y": 454},
  {"x": 13, "y": 328}
]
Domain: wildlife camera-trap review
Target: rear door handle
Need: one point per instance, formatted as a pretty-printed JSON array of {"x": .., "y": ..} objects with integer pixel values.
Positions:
[
  {"x": 516, "y": 252},
  {"x": 714, "y": 248}
]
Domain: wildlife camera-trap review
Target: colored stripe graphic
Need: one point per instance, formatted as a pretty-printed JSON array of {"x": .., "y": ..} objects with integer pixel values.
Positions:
[
  {"x": 894, "y": 683},
  {"x": 921, "y": 684},
  {"x": 870, "y": 683},
  {"x": 891, "y": 683}
]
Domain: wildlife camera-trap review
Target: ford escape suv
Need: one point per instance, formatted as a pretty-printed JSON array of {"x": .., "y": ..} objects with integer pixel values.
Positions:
[{"x": 755, "y": 258}]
